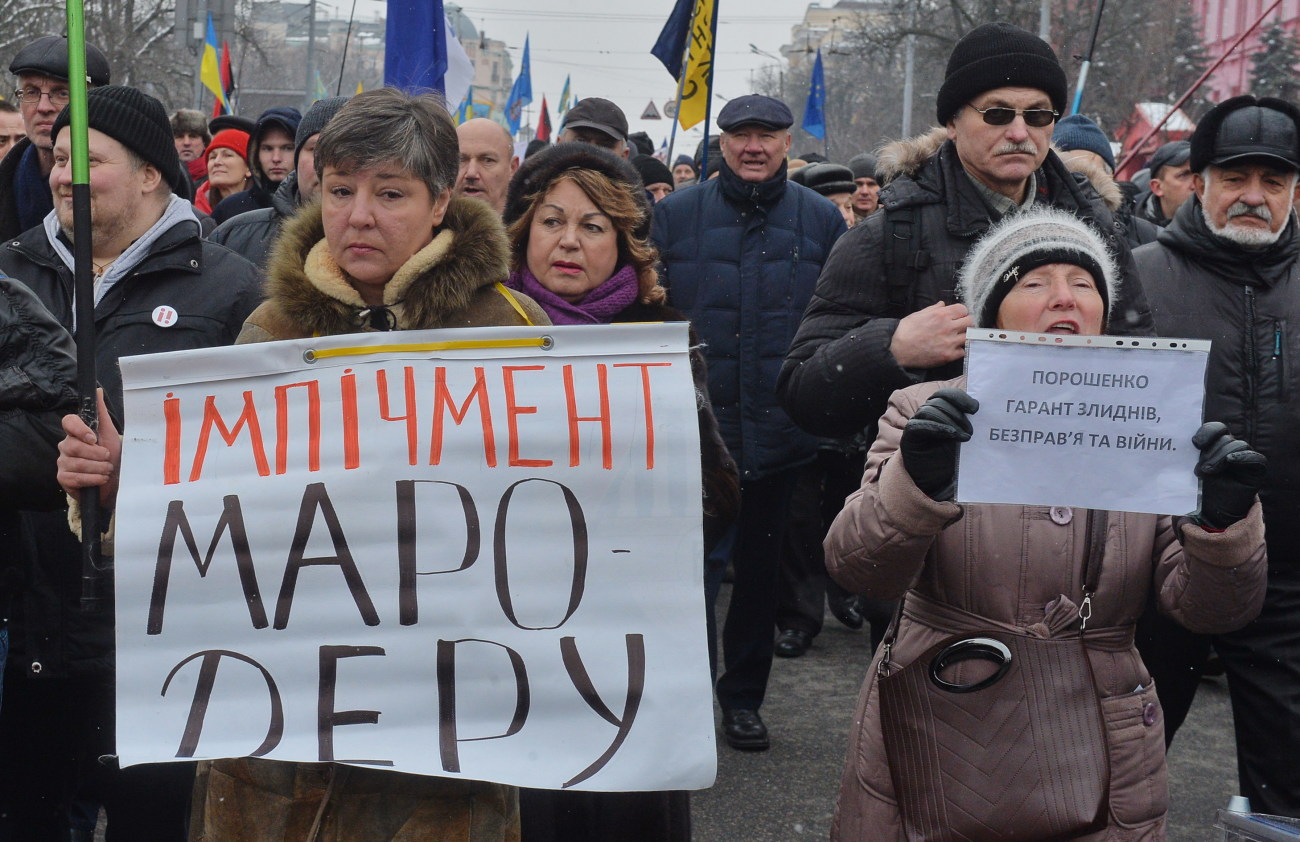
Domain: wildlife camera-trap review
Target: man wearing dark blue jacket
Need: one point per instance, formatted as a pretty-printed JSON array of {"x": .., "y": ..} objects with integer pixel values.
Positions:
[{"x": 741, "y": 255}]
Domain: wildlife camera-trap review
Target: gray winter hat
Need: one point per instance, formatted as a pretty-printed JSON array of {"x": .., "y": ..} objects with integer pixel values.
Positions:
[{"x": 1024, "y": 241}]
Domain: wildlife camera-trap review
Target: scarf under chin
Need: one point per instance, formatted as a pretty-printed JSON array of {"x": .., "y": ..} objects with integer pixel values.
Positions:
[{"x": 597, "y": 307}]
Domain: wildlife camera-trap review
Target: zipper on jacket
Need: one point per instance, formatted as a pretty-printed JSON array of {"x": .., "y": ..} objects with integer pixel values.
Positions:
[
  {"x": 1252, "y": 365},
  {"x": 1279, "y": 359}
]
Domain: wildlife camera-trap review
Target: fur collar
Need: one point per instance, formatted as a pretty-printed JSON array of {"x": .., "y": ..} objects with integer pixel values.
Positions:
[
  {"x": 906, "y": 157},
  {"x": 468, "y": 252}
]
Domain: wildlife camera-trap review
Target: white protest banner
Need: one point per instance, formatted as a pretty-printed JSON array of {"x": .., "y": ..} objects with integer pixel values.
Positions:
[
  {"x": 1095, "y": 422},
  {"x": 475, "y": 554}
]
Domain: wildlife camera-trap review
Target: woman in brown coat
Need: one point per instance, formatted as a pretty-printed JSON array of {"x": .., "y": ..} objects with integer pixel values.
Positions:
[
  {"x": 1020, "y": 570},
  {"x": 387, "y": 248}
]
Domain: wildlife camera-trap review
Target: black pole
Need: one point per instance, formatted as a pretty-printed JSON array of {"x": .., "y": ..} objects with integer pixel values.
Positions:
[
  {"x": 347, "y": 39},
  {"x": 92, "y": 571}
]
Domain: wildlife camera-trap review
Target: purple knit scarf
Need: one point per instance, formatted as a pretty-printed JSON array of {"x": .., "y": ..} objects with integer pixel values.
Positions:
[{"x": 598, "y": 307}]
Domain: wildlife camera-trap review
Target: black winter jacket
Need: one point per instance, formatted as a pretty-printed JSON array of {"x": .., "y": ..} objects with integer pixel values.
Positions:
[
  {"x": 38, "y": 385},
  {"x": 839, "y": 374},
  {"x": 251, "y": 234},
  {"x": 741, "y": 259},
  {"x": 212, "y": 290},
  {"x": 1247, "y": 303}
]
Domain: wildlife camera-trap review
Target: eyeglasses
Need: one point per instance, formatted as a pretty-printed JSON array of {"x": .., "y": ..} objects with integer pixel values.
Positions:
[
  {"x": 1036, "y": 117},
  {"x": 58, "y": 97}
]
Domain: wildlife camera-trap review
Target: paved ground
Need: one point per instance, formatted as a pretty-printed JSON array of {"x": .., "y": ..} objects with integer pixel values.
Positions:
[{"x": 787, "y": 794}]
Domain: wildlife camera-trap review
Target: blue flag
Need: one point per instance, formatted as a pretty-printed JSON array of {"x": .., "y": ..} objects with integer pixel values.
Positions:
[
  {"x": 814, "y": 113},
  {"x": 672, "y": 38},
  {"x": 520, "y": 95},
  {"x": 415, "y": 53}
]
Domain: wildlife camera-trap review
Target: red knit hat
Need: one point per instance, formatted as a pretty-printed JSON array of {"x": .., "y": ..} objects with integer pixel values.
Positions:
[{"x": 232, "y": 139}]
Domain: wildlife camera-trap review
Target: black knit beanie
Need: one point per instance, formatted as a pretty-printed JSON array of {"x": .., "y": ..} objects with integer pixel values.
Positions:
[
  {"x": 999, "y": 55},
  {"x": 652, "y": 170},
  {"x": 320, "y": 113},
  {"x": 135, "y": 120}
]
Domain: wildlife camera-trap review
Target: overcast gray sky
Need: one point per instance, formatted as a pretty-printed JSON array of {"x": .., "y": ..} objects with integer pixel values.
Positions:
[{"x": 604, "y": 46}]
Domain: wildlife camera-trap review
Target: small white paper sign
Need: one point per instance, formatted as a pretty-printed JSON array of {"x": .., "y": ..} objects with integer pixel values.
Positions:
[{"x": 1098, "y": 422}]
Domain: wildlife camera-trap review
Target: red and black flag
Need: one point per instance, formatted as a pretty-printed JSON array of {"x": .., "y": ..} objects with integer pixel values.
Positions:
[{"x": 544, "y": 122}]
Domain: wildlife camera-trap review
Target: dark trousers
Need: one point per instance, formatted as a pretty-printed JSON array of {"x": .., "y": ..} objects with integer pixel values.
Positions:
[
  {"x": 52, "y": 734},
  {"x": 819, "y": 494},
  {"x": 1262, "y": 662},
  {"x": 747, "y": 635}
]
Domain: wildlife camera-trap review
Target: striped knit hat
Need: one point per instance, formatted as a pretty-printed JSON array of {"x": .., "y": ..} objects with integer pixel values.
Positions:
[{"x": 1024, "y": 241}]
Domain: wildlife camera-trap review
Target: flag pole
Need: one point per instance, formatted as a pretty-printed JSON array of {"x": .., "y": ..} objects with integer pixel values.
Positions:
[
  {"x": 1087, "y": 59},
  {"x": 708, "y": 103},
  {"x": 92, "y": 578},
  {"x": 681, "y": 84},
  {"x": 347, "y": 39}
]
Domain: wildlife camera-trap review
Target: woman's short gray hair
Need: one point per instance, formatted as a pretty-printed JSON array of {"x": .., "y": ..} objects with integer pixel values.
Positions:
[{"x": 386, "y": 125}]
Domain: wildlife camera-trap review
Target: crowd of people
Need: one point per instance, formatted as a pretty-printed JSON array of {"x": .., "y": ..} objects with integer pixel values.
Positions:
[{"x": 828, "y": 306}]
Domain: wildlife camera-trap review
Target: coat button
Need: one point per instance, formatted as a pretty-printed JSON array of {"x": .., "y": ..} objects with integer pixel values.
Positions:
[
  {"x": 1062, "y": 515},
  {"x": 1150, "y": 713}
]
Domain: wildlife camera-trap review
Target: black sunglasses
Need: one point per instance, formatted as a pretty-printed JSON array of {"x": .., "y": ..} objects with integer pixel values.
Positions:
[{"x": 1036, "y": 117}]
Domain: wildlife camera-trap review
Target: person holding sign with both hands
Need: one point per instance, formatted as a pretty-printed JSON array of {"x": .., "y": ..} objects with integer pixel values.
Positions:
[{"x": 1008, "y": 692}]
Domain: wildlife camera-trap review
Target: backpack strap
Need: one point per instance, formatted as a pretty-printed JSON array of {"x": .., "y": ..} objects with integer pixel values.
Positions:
[{"x": 904, "y": 258}]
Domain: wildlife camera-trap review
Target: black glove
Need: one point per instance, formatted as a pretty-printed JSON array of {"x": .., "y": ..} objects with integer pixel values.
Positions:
[
  {"x": 1231, "y": 474},
  {"x": 930, "y": 441}
]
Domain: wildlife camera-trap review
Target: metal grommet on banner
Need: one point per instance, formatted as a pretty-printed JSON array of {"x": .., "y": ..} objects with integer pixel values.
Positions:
[
  {"x": 547, "y": 343},
  {"x": 972, "y": 648},
  {"x": 309, "y": 356}
]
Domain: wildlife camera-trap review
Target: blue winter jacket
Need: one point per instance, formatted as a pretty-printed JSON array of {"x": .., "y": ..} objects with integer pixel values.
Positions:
[{"x": 741, "y": 259}]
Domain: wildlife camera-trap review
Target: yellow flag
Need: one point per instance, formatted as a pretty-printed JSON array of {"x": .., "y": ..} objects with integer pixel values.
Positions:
[
  {"x": 359, "y": 88},
  {"x": 695, "y": 85}
]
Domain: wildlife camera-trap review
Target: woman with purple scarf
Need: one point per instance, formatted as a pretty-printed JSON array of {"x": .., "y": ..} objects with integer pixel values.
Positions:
[{"x": 577, "y": 218}]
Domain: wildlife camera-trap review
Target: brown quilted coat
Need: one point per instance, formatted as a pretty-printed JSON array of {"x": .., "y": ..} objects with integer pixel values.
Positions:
[{"x": 1006, "y": 564}]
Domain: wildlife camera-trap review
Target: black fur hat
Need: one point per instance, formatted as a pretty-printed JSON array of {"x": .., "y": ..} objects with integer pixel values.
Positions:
[{"x": 536, "y": 174}]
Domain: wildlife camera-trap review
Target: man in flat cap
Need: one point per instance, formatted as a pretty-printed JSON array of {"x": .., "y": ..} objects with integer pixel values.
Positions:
[
  {"x": 885, "y": 314},
  {"x": 598, "y": 122},
  {"x": 1226, "y": 269},
  {"x": 41, "y": 69},
  {"x": 740, "y": 255},
  {"x": 1171, "y": 182}
]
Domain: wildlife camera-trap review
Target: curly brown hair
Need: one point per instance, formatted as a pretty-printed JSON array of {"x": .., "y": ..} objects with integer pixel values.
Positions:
[{"x": 616, "y": 202}]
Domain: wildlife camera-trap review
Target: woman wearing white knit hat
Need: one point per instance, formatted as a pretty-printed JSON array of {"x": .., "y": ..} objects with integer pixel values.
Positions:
[{"x": 1008, "y": 700}]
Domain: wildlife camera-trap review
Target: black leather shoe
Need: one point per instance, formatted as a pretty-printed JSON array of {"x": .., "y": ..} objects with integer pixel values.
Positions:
[
  {"x": 847, "y": 611},
  {"x": 792, "y": 643},
  {"x": 744, "y": 730}
]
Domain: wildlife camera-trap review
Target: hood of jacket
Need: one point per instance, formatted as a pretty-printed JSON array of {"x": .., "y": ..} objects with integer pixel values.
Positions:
[
  {"x": 468, "y": 252},
  {"x": 1189, "y": 234},
  {"x": 926, "y": 170},
  {"x": 280, "y": 117}
]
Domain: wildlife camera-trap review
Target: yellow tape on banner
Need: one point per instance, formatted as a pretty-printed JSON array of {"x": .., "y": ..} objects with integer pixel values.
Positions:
[{"x": 461, "y": 345}]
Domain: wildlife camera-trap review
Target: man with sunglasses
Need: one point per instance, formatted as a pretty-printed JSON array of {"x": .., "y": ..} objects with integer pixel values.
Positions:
[
  {"x": 41, "y": 68},
  {"x": 885, "y": 314}
]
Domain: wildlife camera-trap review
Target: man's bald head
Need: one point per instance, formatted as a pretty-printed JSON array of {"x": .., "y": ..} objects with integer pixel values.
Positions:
[{"x": 487, "y": 161}]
